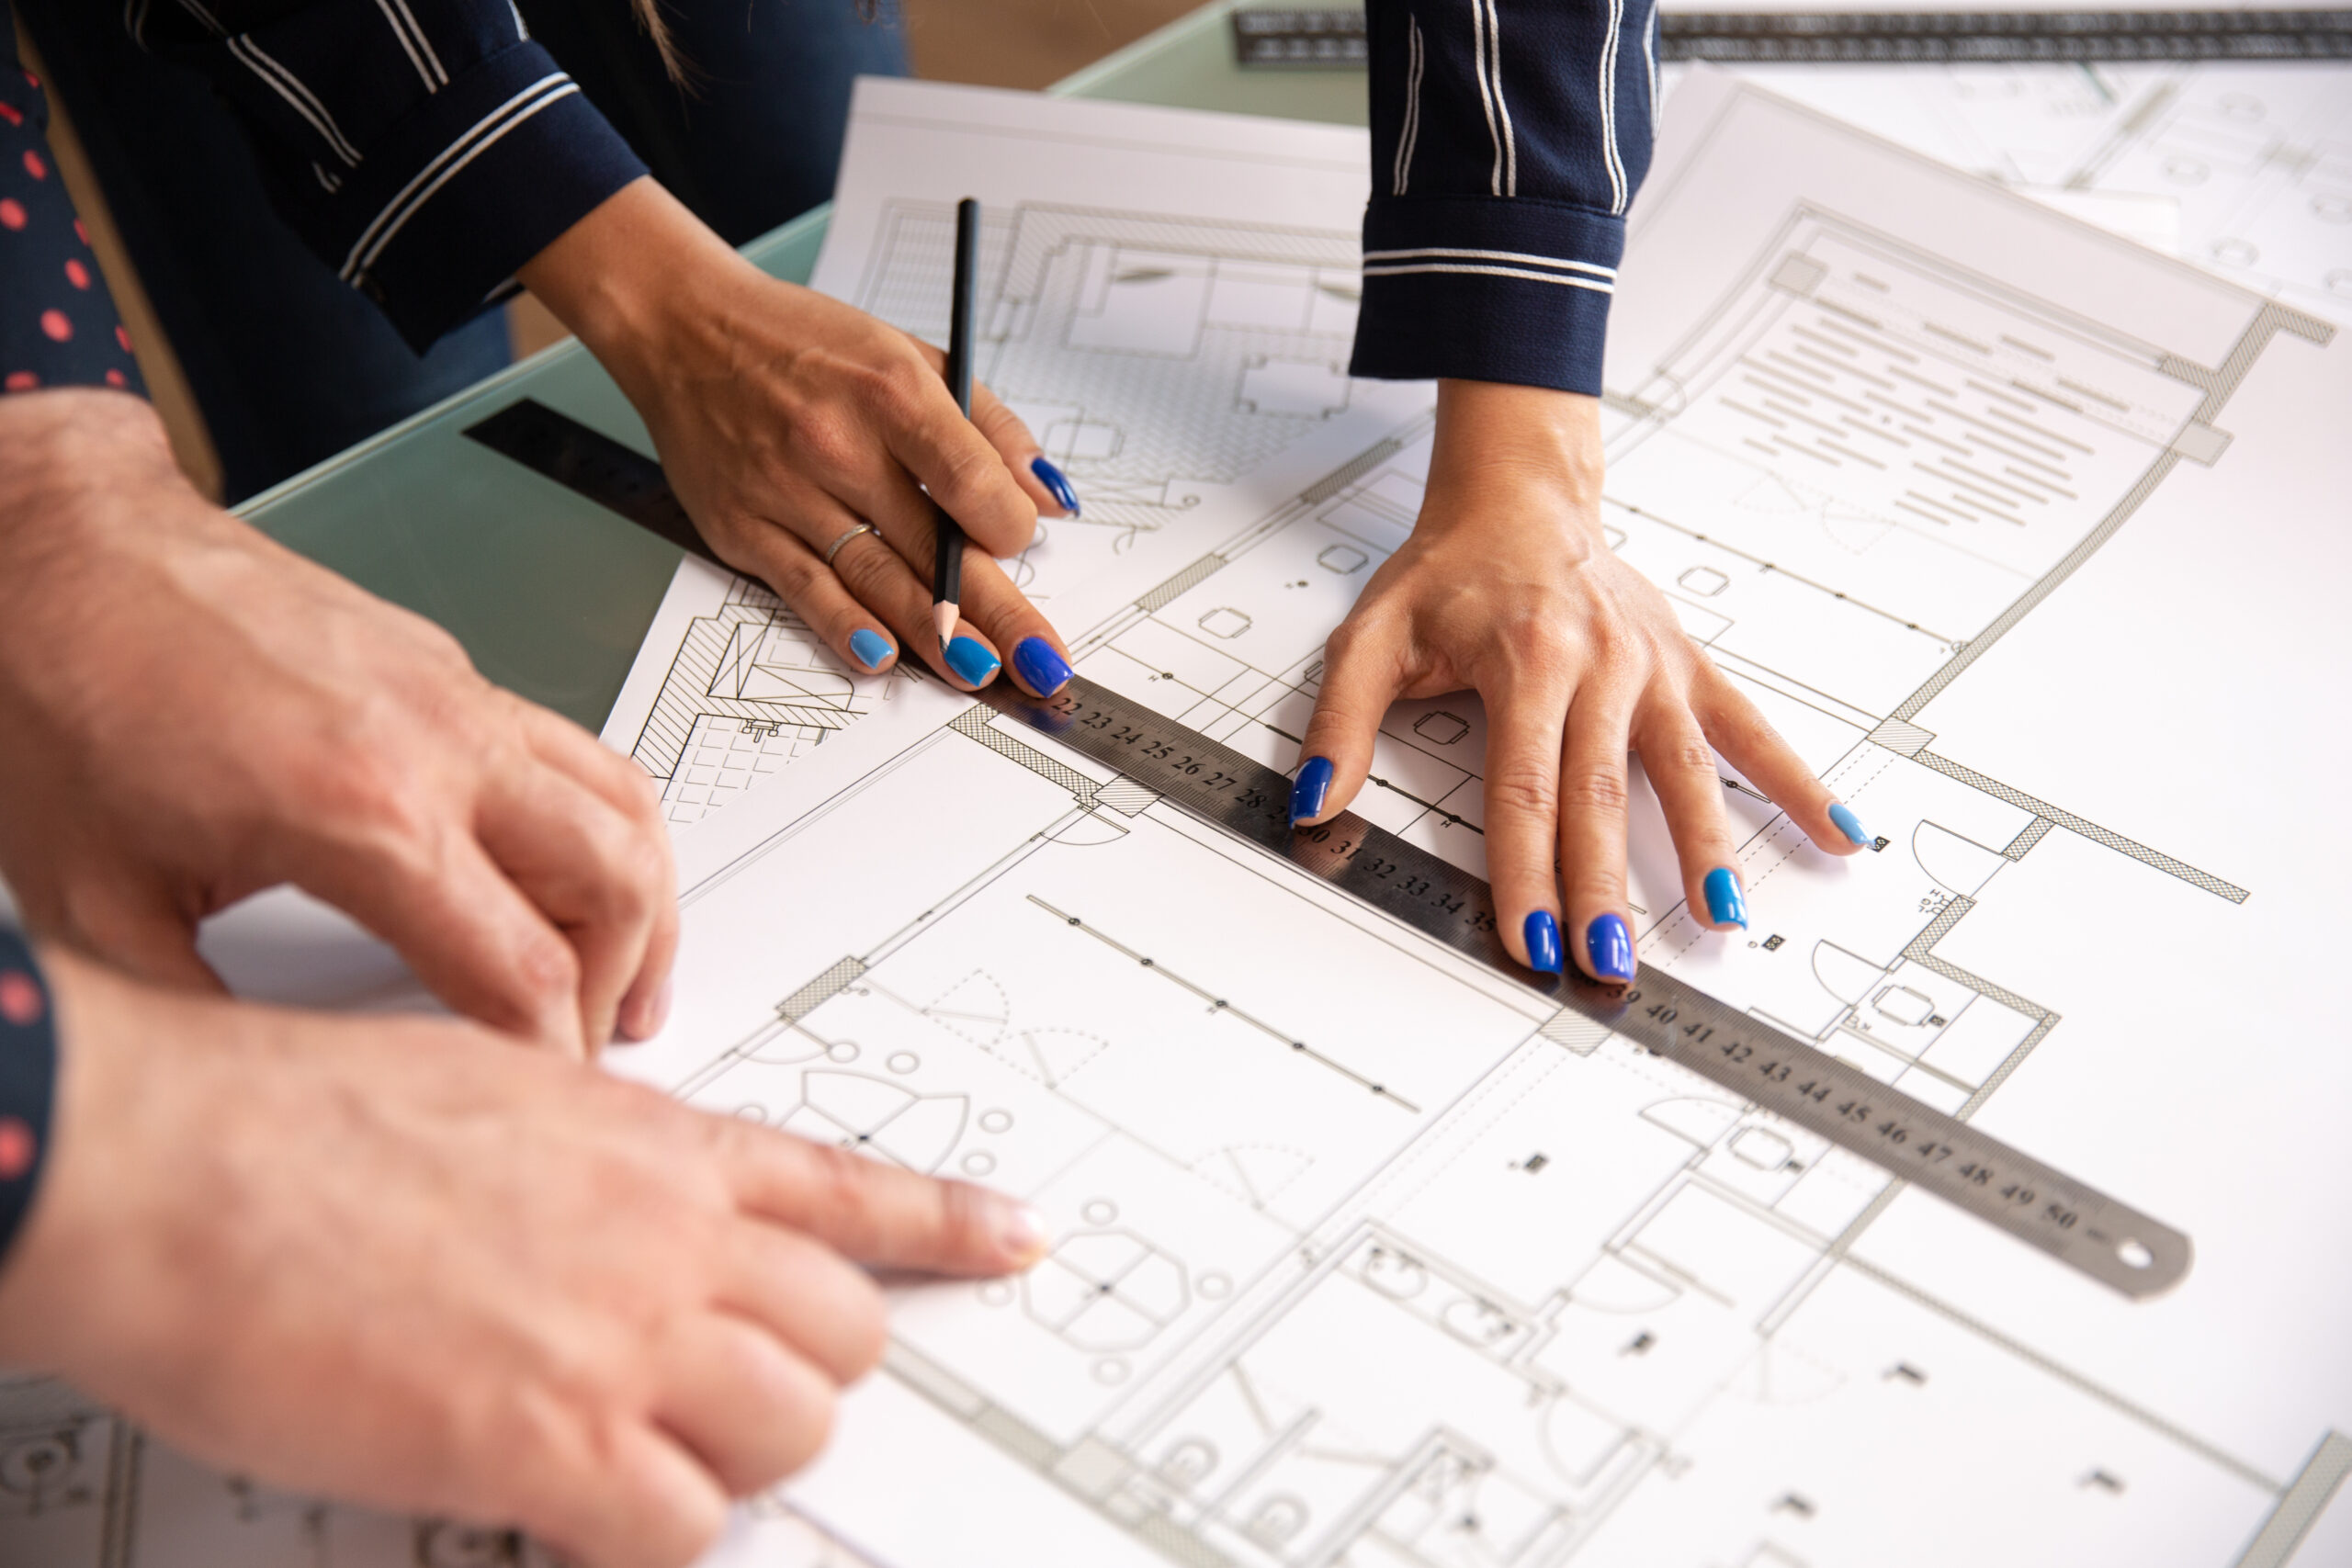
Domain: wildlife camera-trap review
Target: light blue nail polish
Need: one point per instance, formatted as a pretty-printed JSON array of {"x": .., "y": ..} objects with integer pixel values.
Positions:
[
  {"x": 1610, "y": 947},
  {"x": 1727, "y": 905},
  {"x": 1847, "y": 823},
  {"x": 973, "y": 663},
  {"x": 1053, "y": 480},
  {"x": 1040, "y": 665},
  {"x": 869, "y": 648},
  {"x": 1307, "y": 794},
  {"x": 1542, "y": 931}
]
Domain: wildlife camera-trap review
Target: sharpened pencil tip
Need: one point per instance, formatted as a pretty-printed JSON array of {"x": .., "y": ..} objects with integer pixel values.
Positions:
[{"x": 945, "y": 615}]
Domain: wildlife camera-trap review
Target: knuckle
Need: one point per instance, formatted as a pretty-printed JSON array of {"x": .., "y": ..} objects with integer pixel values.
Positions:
[
  {"x": 1527, "y": 790},
  {"x": 1594, "y": 792}
]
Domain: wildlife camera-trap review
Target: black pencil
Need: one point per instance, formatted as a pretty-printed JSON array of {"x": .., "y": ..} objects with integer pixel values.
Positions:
[{"x": 947, "y": 564}]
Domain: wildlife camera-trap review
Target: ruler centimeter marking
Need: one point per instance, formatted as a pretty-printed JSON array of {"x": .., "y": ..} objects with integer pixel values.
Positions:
[
  {"x": 2100, "y": 1235},
  {"x": 1325, "y": 36}
]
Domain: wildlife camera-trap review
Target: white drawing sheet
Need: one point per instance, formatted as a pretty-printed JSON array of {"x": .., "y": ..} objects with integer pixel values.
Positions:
[
  {"x": 2245, "y": 168},
  {"x": 1922, "y": 462},
  {"x": 1166, "y": 297}
]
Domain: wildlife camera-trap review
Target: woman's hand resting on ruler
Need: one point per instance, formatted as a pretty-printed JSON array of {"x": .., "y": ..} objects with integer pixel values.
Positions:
[
  {"x": 386, "y": 1261},
  {"x": 193, "y": 713},
  {"x": 1507, "y": 587},
  {"x": 786, "y": 419}
]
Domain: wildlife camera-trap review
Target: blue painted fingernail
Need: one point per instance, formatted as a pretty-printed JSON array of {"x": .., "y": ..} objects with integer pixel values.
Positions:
[
  {"x": 971, "y": 661},
  {"x": 1307, "y": 794},
  {"x": 1040, "y": 664},
  {"x": 1727, "y": 905},
  {"x": 1053, "y": 480},
  {"x": 1543, "y": 930},
  {"x": 869, "y": 648},
  {"x": 1610, "y": 947},
  {"x": 1847, "y": 823}
]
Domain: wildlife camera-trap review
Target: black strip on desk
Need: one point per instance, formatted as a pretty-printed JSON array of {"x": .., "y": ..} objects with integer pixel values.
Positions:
[{"x": 594, "y": 465}]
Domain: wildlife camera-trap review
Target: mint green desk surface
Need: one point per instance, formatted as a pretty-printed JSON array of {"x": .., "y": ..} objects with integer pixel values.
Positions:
[{"x": 548, "y": 591}]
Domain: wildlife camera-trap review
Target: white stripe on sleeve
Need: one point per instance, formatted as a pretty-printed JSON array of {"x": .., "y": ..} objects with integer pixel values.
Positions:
[
  {"x": 300, "y": 97},
  {"x": 483, "y": 134}
]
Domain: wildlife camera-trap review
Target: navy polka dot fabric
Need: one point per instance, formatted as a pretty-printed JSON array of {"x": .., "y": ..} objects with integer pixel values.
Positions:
[
  {"x": 27, "y": 1080},
  {"x": 58, "y": 325}
]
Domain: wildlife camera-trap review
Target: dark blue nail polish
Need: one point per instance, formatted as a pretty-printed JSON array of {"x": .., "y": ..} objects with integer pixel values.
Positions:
[
  {"x": 971, "y": 661},
  {"x": 1727, "y": 905},
  {"x": 1847, "y": 823},
  {"x": 869, "y": 648},
  {"x": 1040, "y": 665},
  {"x": 1053, "y": 480},
  {"x": 1610, "y": 947},
  {"x": 1307, "y": 794},
  {"x": 1542, "y": 931}
]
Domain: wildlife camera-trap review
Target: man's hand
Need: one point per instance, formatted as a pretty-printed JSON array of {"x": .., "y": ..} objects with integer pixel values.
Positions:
[
  {"x": 193, "y": 714},
  {"x": 786, "y": 419},
  {"x": 381, "y": 1260},
  {"x": 1507, "y": 587}
]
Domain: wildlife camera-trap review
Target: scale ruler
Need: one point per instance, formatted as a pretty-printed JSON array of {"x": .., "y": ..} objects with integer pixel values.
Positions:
[
  {"x": 2072, "y": 1222},
  {"x": 1996, "y": 37},
  {"x": 1325, "y": 36}
]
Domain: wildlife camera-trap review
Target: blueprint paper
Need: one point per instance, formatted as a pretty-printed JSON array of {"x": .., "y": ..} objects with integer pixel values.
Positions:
[
  {"x": 1921, "y": 461},
  {"x": 2253, "y": 161},
  {"x": 1167, "y": 298}
]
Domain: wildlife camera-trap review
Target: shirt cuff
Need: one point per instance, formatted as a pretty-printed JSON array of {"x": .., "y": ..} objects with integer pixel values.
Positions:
[
  {"x": 27, "y": 1082},
  {"x": 1487, "y": 289},
  {"x": 483, "y": 178}
]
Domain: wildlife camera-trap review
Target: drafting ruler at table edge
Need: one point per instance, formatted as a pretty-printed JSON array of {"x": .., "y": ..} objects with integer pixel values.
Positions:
[
  {"x": 2079, "y": 1225},
  {"x": 1316, "y": 37}
]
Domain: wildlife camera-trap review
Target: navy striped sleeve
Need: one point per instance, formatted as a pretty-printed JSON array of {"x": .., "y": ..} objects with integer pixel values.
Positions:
[
  {"x": 424, "y": 148},
  {"x": 27, "y": 1082},
  {"x": 1507, "y": 138},
  {"x": 58, "y": 325}
]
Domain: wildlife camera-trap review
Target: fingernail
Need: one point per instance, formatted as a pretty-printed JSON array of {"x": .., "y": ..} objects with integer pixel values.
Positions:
[
  {"x": 1307, "y": 794},
  {"x": 1053, "y": 480},
  {"x": 1610, "y": 947},
  {"x": 1021, "y": 1232},
  {"x": 1727, "y": 905},
  {"x": 869, "y": 648},
  {"x": 659, "y": 1013},
  {"x": 1847, "y": 823},
  {"x": 971, "y": 661},
  {"x": 1542, "y": 931},
  {"x": 1040, "y": 664}
]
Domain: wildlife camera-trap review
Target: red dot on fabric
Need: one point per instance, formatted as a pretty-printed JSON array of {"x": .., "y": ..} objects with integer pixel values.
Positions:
[
  {"x": 19, "y": 382},
  {"x": 114, "y": 378},
  {"x": 12, "y": 213},
  {"x": 17, "y": 1148},
  {"x": 81, "y": 234},
  {"x": 11, "y": 113},
  {"x": 34, "y": 80},
  {"x": 19, "y": 997},
  {"x": 54, "y": 324},
  {"x": 77, "y": 274},
  {"x": 123, "y": 336},
  {"x": 34, "y": 166}
]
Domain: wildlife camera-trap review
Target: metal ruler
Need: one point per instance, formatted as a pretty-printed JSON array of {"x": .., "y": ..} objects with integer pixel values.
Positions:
[
  {"x": 1299, "y": 38},
  {"x": 1325, "y": 37},
  {"x": 2006, "y": 36},
  {"x": 2071, "y": 1220}
]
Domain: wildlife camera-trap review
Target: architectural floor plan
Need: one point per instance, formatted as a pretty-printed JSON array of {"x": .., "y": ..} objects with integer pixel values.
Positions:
[
  {"x": 2247, "y": 169},
  {"x": 1370, "y": 1258}
]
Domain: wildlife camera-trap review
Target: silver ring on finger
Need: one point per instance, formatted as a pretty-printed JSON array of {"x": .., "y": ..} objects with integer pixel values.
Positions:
[{"x": 835, "y": 548}]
